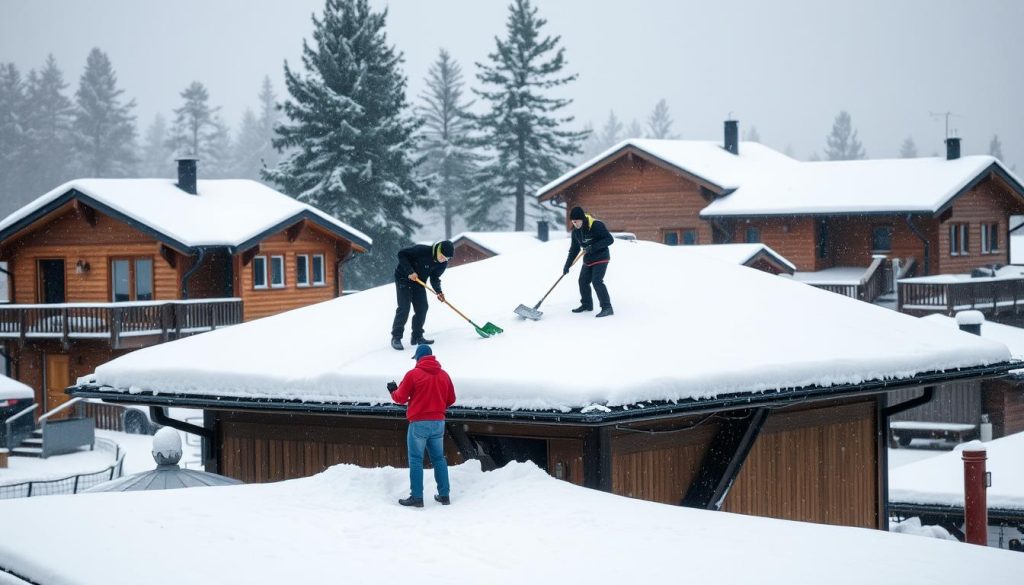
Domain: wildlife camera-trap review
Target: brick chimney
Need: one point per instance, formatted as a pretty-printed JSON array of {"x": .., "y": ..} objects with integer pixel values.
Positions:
[
  {"x": 732, "y": 136},
  {"x": 187, "y": 170},
  {"x": 952, "y": 148}
]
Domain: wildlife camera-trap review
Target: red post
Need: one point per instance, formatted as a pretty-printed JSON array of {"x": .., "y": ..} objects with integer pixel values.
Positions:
[{"x": 975, "y": 498}]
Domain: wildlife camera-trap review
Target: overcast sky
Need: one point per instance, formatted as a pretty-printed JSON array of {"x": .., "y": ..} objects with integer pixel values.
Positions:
[{"x": 785, "y": 67}]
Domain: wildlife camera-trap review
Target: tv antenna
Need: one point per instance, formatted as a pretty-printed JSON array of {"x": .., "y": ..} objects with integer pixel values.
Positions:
[{"x": 947, "y": 115}]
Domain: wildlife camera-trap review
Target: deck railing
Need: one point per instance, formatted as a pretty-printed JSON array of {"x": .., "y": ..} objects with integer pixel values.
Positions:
[
  {"x": 868, "y": 288},
  {"x": 118, "y": 321},
  {"x": 992, "y": 296}
]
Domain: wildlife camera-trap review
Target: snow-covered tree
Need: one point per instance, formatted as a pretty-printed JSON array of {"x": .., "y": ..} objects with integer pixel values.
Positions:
[
  {"x": 253, "y": 149},
  {"x": 198, "y": 131},
  {"x": 842, "y": 143},
  {"x": 611, "y": 132},
  {"x": 659, "y": 123},
  {"x": 157, "y": 158},
  {"x": 13, "y": 135},
  {"x": 995, "y": 147},
  {"x": 522, "y": 128},
  {"x": 104, "y": 126},
  {"x": 752, "y": 135},
  {"x": 49, "y": 116},
  {"x": 591, "y": 145},
  {"x": 909, "y": 148},
  {"x": 349, "y": 134},
  {"x": 449, "y": 161},
  {"x": 634, "y": 130}
]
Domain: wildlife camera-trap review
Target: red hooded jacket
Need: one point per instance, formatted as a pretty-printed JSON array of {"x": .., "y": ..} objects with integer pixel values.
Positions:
[{"x": 427, "y": 389}]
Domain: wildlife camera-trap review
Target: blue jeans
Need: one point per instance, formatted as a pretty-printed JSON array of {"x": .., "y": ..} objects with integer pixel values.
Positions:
[{"x": 429, "y": 435}]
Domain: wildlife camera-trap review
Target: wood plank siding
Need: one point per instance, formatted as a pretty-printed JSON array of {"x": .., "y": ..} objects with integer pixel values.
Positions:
[
  {"x": 28, "y": 362},
  {"x": 958, "y": 402},
  {"x": 271, "y": 301},
  {"x": 991, "y": 201},
  {"x": 1003, "y": 401},
  {"x": 467, "y": 252},
  {"x": 793, "y": 238}
]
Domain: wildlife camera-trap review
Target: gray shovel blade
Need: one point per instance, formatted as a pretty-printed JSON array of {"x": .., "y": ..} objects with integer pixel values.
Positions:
[{"x": 528, "y": 313}]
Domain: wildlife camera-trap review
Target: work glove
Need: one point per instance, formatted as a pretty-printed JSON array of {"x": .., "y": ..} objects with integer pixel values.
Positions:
[
  {"x": 565, "y": 270},
  {"x": 440, "y": 296},
  {"x": 392, "y": 386}
]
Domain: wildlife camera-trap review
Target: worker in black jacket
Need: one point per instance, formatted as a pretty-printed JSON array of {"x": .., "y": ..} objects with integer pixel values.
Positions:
[
  {"x": 590, "y": 235},
  {"x": 422, "y": 262}
]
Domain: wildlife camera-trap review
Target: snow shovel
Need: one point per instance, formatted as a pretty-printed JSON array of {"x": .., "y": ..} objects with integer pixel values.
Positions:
[
  {"x": 486, "y": 331},
  {"x": 528, "y": 313}
]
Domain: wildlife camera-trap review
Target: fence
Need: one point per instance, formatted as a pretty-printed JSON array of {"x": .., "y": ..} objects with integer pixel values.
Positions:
[{"x": 71, "y": 484}]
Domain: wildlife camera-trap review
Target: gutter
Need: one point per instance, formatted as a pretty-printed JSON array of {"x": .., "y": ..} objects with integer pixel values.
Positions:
[
  {"x": 954, "y": 512},
  {"x": 929, "y": 394},
  {"x": 159, "y": 416},
  {"x": 653, "y": 411},
  {"x": 927, "y": 244}
]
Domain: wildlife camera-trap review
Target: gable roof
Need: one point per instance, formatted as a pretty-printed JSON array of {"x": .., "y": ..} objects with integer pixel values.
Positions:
[
  {"x": 701, "y": 333},
  {"x": 236, "y": 213},
  {"x": 743, "y": 254},
  {"x": 503, "y": 242}
]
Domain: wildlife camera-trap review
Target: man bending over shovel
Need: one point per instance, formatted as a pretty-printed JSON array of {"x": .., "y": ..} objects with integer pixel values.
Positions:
[
  {"x": 590, "y": 235},
  {"x": 418, "y": 262}
]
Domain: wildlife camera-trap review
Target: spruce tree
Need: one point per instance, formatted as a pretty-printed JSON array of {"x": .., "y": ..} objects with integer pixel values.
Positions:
[
  {"x": 449, "y": 161},
  {"x": 842, "y": 143},
  {"x": 157, "y": 157},
  {"x": 247, "y": 160},
  {"x": 13, "y": 138},
  {"x": 198, "y": 131},
  {"x": 104, "y": 126},
  {"x": 909, "y": 148},
  {"x": 350, "y": 135},
  {"x": 268, "y": 121},
  {"x": 611, "y": 132},
  {"x": 529, "y": 146},
  {"x": 48, "y": 120},
  {"x": 659, "y": 123},
  {"x": 995, "y": 147},
  {"x": 591, "y": 145},
  {"x": 635, "y": 130},
  {"x": 752, "y": 135}
]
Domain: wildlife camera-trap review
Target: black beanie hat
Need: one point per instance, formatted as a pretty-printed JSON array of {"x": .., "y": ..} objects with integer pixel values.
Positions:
[
  {"x": 447, "y": 248},
  {"x": 577, "y": 213}
]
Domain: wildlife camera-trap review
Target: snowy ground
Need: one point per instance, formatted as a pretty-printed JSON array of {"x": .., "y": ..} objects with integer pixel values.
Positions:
[
  {"x": 916, "y": 452},
  {"x": 514, "y": 525}
]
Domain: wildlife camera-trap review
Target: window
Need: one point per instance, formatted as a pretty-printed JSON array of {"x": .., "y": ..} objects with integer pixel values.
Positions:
[
  {"x": 131, "y": 279},
  {"x": 752, "y": 236},
  {"x": 689, "y": 237},
  {"x": 675, "y": 237},
  {"x": 990, "y": 238},
  {"x": 671, "y": 238},
  {"x": 822, "y": 243},
  {"x": 881, "y": 238},
  {"x": 276, "y": 271},
  {"x": 319, "y": 274},
  {"x": 959, "y": 242},
  {"x": 302, "y": 270},
  {"x": 259, "y": 272}
]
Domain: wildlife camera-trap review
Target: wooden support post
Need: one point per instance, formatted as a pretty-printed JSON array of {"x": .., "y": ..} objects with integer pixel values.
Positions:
[{"x": 597, "y": 459}]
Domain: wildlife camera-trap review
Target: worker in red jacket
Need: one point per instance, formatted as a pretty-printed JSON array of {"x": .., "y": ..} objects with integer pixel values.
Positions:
[{"x": 428, "y": 391}]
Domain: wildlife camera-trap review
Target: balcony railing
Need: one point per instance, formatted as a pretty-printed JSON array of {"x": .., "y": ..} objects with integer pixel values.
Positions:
[
  {"x": 867, "y": 288},
  {"x": 949, "y": 294},
  {"x": 118, "y": 322}
]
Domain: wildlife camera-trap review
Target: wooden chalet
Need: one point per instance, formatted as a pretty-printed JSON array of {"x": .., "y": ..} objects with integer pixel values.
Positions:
[
  {"x": 99, "y": 267},
  {"x": 920, "y": 217},
  {"x": 763, "y": 444}
]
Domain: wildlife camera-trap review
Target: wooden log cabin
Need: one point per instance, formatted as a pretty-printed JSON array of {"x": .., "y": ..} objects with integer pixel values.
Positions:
[
  {"x": 99, "y": 267},
  {"x": 932, "y": 215},
  {"x": 718, "y": 424}
]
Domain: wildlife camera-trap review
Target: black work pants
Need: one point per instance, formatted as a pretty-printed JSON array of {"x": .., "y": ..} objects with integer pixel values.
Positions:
[
  {"x": 594, "y": 275},
  {"x": 409, "y": 294}
]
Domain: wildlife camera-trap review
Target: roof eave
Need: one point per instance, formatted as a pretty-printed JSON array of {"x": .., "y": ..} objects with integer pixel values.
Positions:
[{"x": 359, "y": 243}]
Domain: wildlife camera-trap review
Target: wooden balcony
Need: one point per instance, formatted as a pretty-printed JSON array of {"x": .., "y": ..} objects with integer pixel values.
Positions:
[
  {"x": 947, "y": 294},
  {"x": 125, "y": 325}
]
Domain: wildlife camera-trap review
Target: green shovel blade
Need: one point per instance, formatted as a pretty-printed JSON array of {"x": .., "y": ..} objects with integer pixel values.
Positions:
[{"x": 492, "y": 329}]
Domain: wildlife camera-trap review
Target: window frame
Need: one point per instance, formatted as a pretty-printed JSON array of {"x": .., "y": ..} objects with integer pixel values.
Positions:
[
  {"x": 959, "y": 239},
  {"x": 665, "y": 233},
  {"x": 284, "y": 266},
  {"x": 323, "y": 270},
  {"x": 746, "y": 235},
  {"x": 874, "y": 230},
  {"x": 262, "y": 259},
  {"x": 990, "y": 232},
  {"x": 302, "y": 261},
  {"x": 133, "y": 276}
]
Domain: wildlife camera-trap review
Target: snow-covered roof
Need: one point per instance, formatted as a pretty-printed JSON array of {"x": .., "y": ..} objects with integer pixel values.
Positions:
[
  {"x": 502, "y": 242},
  {"x": 736, "y": 253},
  {"x": 229, "y": 212},
  {"x": 702, "y": 158},
  {"x": 345, "y": 525},
  {"x": 11, "y": 388},
  {"x": 939, "y": 480},
  {"x": 1012, "y": 337},
  {"x": 702, "y": 329}
]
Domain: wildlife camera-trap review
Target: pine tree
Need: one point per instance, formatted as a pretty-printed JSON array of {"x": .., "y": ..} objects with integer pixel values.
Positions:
[
  {"x": 449, "y": 162},
  {"x": 752, "y": 135},
  {"x": 248, "y": 148},
  {"x": 635, "y": 130},
  {"x": 48, "y": 121},
  {"x": 995, "y": 147},
  {"x": 350, "y": 133},
  {"x": 198, "y": 131},
  {"x": 156, "y": 155},
  {"x": 268, "y": 121},
  {"x": 591, "y": 145},
  {"x": 909, "y": 148},
  {"x": 13, "y": 137},
  {"x": 104, "y": 127},
  {"x": 659, "y": 123},
  {"x": 842, "y": 143},
  {"x": 521, "y": 127},
  {"x": 611, "y": 132}
]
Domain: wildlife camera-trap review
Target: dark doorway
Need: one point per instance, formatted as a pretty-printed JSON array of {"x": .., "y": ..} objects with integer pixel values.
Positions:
[
  {"x": 505, "y": 449},
  {"x": 51, "y": 281}
]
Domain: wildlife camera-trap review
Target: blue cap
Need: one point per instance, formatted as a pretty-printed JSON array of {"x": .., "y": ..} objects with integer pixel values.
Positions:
[{"x": 422, "y": 350}]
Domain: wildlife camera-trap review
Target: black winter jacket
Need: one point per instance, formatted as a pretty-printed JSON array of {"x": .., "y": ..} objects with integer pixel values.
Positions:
[
  {"x": 593, "y": 234},
  {"x": 419, "y": 259}
]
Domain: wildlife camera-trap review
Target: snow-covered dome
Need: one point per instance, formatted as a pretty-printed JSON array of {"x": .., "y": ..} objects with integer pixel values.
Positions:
[{"x": 167, "y": 446}]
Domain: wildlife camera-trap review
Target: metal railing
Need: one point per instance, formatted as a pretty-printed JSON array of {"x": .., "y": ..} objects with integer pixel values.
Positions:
[
  {"x": 116, "y": 321},
  {"x": 18, "y": 427},
  {"x": 72, "y": 484},
  {"x": 993, "y": 296}
]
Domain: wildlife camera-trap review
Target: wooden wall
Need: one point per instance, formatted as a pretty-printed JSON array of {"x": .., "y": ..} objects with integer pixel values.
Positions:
[
  {"x": 1003, "y": 401},
  {"x": 851, "y": 240},
  {"x": 84, "y": 357},
  {"x": 958, "y": 402},
  {"x": 69, "y": 236},
  {"x": 271, "y": 301},
  {"x": 990, "y": 201},
  {"x": 792, "y": 238},
  {"x": 659, "y": 467},
  {"x": 466, "y": 252}
]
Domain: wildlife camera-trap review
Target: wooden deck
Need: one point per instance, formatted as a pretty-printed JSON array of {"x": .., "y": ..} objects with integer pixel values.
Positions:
[{"x": 991, "y": 296}]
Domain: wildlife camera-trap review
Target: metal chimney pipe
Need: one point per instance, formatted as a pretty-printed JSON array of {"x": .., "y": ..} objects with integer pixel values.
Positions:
[
  {"x": 975, "y": 497},
  {"x": 187, "y": 171},
  {"x": 952, "y": 148},
  {"x": 970, "y": 321},
  {"x": 543, "y": 230},
  {"x": 732, "y": 136}
]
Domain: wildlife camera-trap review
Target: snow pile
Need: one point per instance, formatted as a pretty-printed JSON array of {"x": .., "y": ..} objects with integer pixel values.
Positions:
[
  {"x": 11, "y": 388},
  {"x": 912, "y": 526},
  {"x": 940, "y": 480},
  {"x": 685, "y": 327},
  {"x": 513, "y": 525}
]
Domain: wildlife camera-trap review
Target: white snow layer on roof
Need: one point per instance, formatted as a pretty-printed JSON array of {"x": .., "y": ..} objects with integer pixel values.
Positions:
[
  {"x": 225, "y": 212},
  {"x": 684, "y": 327},
  {"x": 513, "y": 525},
  {"x": 11, "y": 388},
  {"x": 1012, "y": 337},
  {"x": 704, "y": 158},
  {"x": 734, "y": 253},
  {"x": 940, "y": 479},
  {"x": 504, "y": 242}
]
